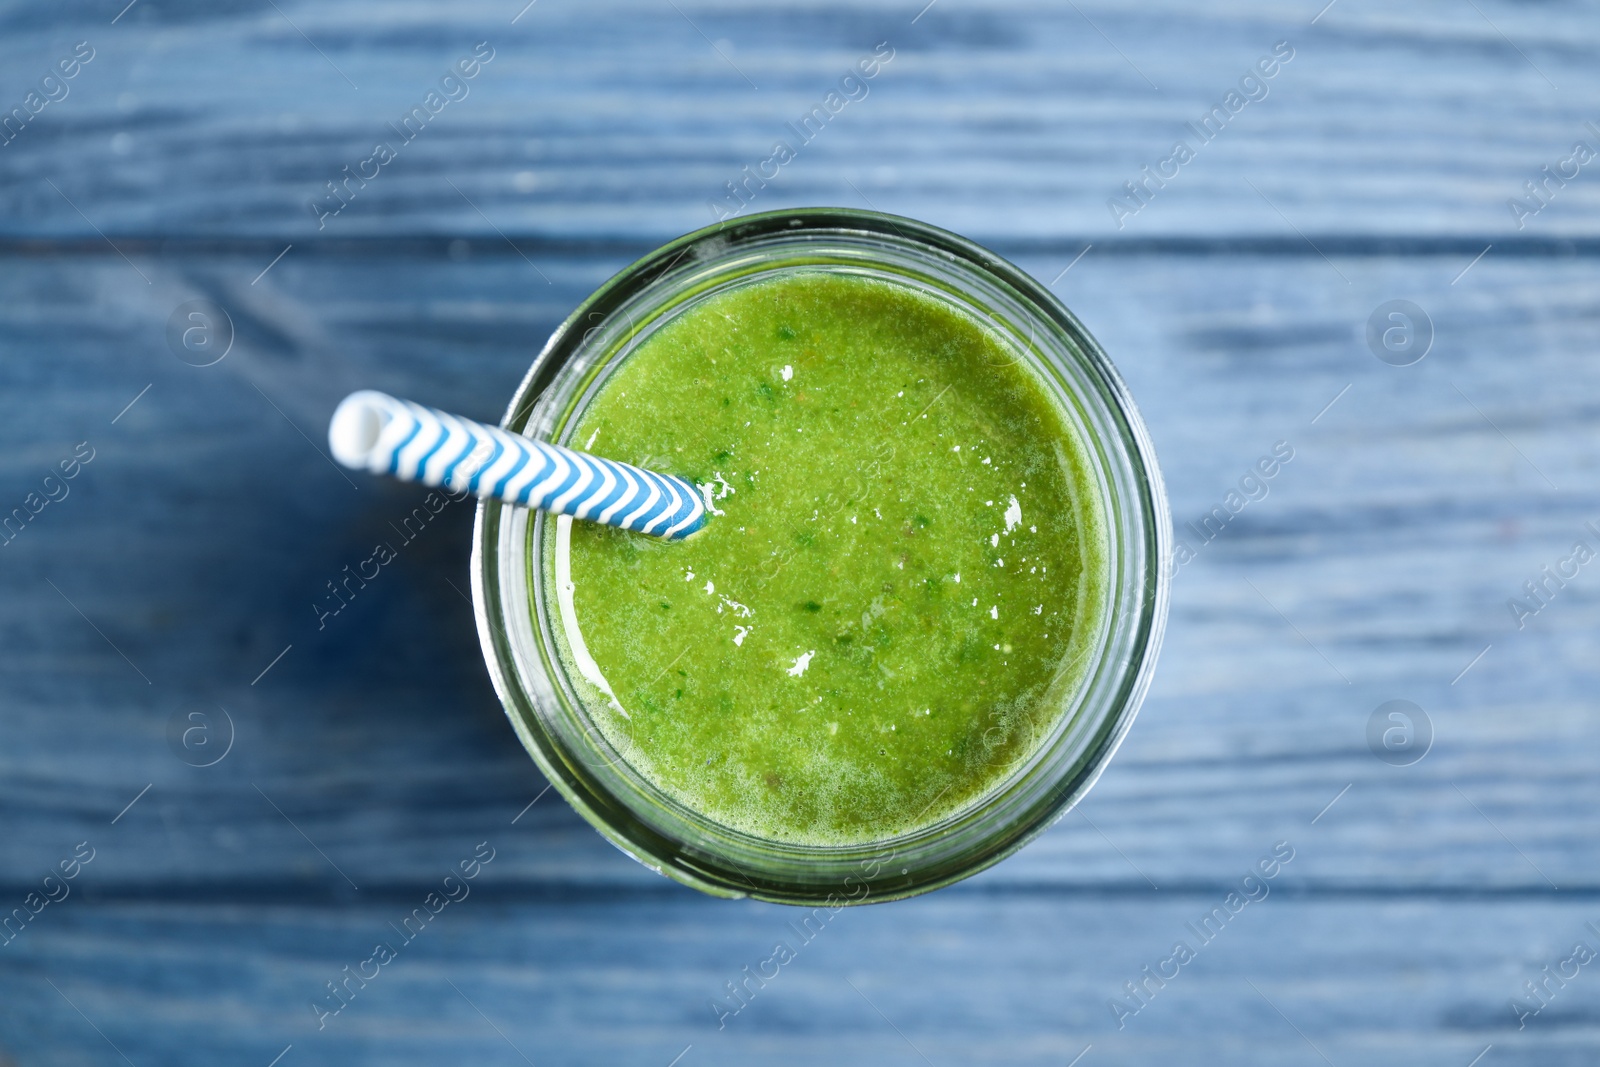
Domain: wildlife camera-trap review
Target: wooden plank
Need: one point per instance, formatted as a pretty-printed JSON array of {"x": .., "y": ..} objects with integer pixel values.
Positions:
[
  {"x": 1000, "y": 120},
  {"x": 206, "y": 526},
  {"x": 1392, "y": 981}
]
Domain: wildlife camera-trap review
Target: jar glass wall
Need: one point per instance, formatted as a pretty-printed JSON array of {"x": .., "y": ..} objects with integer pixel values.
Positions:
[{"x": 522, "y": 632}]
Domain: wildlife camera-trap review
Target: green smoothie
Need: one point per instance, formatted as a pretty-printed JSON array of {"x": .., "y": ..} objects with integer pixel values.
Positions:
[{"x": 901, "y": 585}]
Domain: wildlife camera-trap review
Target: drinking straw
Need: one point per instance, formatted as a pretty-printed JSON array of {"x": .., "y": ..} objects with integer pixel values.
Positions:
[{"x": 376, "y": 432}]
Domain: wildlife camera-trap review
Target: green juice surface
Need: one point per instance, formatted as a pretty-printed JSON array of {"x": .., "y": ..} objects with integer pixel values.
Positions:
[{"x": 905, "y": 583}]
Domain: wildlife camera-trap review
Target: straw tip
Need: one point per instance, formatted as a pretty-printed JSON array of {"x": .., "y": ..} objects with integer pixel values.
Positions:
[{"x": 357, "y": 423}]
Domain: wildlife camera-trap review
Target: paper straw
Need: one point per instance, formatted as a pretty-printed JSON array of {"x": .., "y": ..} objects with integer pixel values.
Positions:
[{"x": 375, "y": 432}]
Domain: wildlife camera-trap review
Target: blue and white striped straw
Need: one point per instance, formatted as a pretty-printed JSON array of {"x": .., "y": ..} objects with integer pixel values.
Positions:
[{"x": 376, "y": 432}]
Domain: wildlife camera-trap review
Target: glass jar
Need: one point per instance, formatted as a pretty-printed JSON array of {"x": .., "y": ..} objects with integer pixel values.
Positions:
[{"x": 519, "y": 620}]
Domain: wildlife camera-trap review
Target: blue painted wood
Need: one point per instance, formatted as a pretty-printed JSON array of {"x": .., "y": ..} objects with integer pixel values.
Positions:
[
  {"x": 369, "y": 756},
  {"x": 958, "y": 977},
  {"x": 622, "y": 119}
]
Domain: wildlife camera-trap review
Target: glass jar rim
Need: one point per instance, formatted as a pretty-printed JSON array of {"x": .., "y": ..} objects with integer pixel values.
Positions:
[{"x": 508, "y": 571}]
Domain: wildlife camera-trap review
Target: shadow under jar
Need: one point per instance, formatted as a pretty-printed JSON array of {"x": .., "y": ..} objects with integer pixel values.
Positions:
[{"x": 866, "y": 741}]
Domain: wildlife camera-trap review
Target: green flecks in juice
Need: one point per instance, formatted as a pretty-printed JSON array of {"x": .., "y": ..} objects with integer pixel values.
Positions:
[{"x": 903, "y": 587}]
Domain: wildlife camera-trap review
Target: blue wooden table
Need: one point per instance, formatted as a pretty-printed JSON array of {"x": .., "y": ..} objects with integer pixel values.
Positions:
[{"x": 213, "y": 804}]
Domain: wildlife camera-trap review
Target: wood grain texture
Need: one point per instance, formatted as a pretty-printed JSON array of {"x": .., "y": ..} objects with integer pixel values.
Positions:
[
  {"x": 632, "y": 981},
  {"x": 994, "y": 119},
  {"x": 1389, "y": 544},
  {"x": 370, "y": 755}
]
